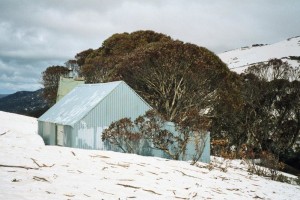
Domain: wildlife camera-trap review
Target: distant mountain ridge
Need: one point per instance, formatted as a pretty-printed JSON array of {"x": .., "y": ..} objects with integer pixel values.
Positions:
[
  {"x": 240, "y": 59},
  {"x": 25, "y": 103},
  {"x": 3, "y": 95}
]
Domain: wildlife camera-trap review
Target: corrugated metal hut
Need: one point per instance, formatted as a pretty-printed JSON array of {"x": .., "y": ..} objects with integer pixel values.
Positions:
[{"x": 79, "y": 118}]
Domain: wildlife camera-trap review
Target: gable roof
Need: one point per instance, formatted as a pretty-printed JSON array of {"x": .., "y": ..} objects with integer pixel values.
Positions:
[{"x": 77, "y": 103}]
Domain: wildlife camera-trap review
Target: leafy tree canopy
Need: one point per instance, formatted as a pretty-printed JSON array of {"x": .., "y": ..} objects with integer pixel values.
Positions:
[
  {"x": 100, "y": 65},
  {"x": 275, "y": 69},
  {"x": 171, "y": 75},
  {"x": 50, "y": 81}
]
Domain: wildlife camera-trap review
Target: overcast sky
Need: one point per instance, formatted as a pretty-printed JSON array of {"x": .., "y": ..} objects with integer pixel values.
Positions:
[{"x": 35, "y": 34}]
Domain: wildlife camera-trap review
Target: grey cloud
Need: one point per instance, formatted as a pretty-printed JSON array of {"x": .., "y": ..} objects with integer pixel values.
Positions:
[
  {"x": 37, "y": 34},
  {"x": 22, "y": 74}
]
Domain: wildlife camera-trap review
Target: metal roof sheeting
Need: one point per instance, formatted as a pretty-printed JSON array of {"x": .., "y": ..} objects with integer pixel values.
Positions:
[{"x": 76, "y": 104}]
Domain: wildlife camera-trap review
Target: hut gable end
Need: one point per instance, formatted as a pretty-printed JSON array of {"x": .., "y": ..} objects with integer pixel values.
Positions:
[
  {"x": 79, "y": 118},
  {"x": 76, "y": 104}
]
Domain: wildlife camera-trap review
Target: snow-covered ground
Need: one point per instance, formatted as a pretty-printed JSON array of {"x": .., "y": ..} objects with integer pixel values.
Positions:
[
  {"x": 31, "y": 170},
  {"x": 239, "y": 59}
]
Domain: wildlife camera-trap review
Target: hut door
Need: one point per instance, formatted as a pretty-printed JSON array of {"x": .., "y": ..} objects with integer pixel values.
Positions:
[{"x": 60, "y": 135}]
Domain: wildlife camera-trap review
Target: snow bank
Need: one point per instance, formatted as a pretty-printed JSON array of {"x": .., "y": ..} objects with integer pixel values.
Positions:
[
  {"x": 238, "y": 60},
  {"x": 30, "y": 170}
]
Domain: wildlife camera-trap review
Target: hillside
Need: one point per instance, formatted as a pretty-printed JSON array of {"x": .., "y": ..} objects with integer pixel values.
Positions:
[
  {"x": 239, "y": 59},
  {"x": 31, "y": 170},
  {"x": 3, "y": 95},
  {"x": 25, "y": 103}
]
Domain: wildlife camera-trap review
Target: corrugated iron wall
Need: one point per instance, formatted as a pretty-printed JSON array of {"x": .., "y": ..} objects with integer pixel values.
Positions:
[
  {"x": 121, "y": 102},
  {"x": 198, "y": 146},
  {"x": 47, "y": 131},
  {"x": 68, "y": 136}
]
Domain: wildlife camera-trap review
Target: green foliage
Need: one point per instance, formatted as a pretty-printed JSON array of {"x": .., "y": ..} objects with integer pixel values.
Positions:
[
  {"x": 275, "y": 69},
  {"x": 100, "y": 65},
  {"x": 227, "y": 117},
  {"x": 270, "y": 167},
  {"x": 81, "y": 57},
  {"x": 50, "y": 81},
  {"x": 172, "y": 76},
  {"x": 264, "y": 115},
  {"x": 295, "y": 58},
  {"x": 150, "y": 128},
  {"x": 192, "y": 87},
  {"x": 122, "y": 134},
  {"x": 259, "y": 110}
]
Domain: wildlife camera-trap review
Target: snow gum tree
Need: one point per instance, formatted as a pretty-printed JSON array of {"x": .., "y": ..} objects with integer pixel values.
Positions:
[
  {"x": 50, "y": 81},
  {"x": 149, "y": 132},
  {"x": 170, "y": 75},
  {"x": 100, "y": 65},
  {"x": 173, "y": 76},
  {"x": 264, "y": 115},
  {"x": 275, "y": 69},
  {"x": 177, "y": 79}
]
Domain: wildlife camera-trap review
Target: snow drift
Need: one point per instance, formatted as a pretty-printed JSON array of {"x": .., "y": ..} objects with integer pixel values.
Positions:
[
  {"x": 239, "y": 59},
  {"x": 31, "y": 170}
]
